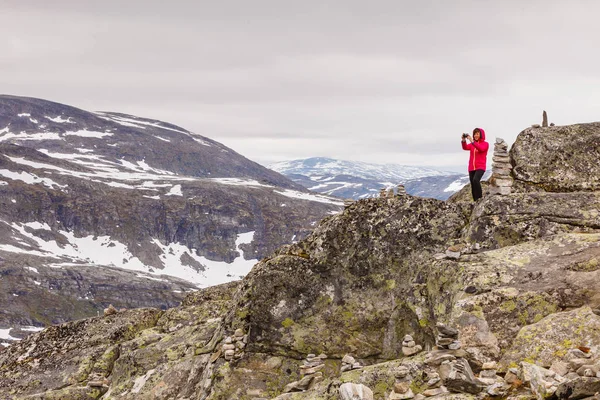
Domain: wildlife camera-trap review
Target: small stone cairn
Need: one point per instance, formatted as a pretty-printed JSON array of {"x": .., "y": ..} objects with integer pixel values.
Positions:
[
  {"x": 489, "y": 374},
  {"x": 409, "y": 347},
  {"x": 311, "y": 374},
  {"x": 349, "y": 363},
  {"x": 233, "y": 348},
  {"x": 388, "y": 193},
  {"x": 501, "y": 182},
  {"x": 544, "y": 121},
  {"x": 447, "y": 337},
  {"x": 402, "y": 390}
]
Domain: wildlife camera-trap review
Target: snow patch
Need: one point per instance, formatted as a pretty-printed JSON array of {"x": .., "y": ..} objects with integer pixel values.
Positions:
[
  {"x": 31, "y": 136},
  {"x": 175, "y": 191},
  {"x": 32, "y": 328},
  {"x": 59, "y": 119},
  {"x": 309, "y": 196},
  {"x": 238, "y": 182},
  {"x": 455, "y": 186},
  {"x": 212, "y": 272},
  {"x": 29, "y": 178},
  {"x": 88, "y": 134},
  {"x": 5, "y": 334}
]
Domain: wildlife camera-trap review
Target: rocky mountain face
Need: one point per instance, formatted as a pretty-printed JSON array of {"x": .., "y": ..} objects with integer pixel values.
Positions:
[
  {"x": 358, "y": 180},
  {"x": 100, "y": 208},
  {"x": 395, "y": 298}
]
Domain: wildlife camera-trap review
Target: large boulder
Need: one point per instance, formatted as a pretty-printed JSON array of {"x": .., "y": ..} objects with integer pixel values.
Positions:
[
  {"x": 499, "y": 221},
  {"x": 559, "y": 158},
  {"x": 357, "y": 285},
  {"x": 508, "y": 288},
  {"x": 550, "y": 339}
]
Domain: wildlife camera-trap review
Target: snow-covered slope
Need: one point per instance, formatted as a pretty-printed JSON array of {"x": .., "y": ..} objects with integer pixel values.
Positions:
[
  {"x": 356, "y": 180},
  {"x": 99, "y": 208}
]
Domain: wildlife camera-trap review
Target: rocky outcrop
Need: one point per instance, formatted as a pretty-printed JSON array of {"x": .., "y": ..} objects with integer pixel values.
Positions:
[
  {"x": 360, "y": 269},
  {"x": 549, "y": 340},
  {"x": 558, "y": 159},
  {"x": 511, "y": 312}
]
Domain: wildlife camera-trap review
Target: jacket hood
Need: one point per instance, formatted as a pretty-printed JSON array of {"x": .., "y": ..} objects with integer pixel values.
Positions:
[{"x": 482, "y": 134}]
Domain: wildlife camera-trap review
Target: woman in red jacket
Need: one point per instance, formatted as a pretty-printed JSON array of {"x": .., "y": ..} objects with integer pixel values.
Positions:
[{"x": 478, "y": 149}]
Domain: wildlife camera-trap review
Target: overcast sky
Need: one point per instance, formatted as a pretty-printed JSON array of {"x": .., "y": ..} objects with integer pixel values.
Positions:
[{"x": 376, "y": 81}]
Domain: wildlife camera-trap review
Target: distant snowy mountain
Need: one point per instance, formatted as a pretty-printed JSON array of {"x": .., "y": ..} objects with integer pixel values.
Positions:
[{"x": 357, "y": 180}]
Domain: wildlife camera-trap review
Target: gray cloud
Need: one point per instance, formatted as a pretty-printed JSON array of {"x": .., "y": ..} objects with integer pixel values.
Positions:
[{"x": 380, "y": 81}]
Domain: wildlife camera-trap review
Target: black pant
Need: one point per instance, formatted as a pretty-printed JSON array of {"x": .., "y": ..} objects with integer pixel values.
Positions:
[{"x": 475, "y": 178}]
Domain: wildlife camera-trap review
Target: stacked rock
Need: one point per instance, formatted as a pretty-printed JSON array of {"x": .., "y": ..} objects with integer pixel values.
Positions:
[
  {"x": 233, "y": 348},
  {"x": 489, "y": 373},
  {"x": 311, "y": 374},
  {"x": 501, "y": 182},
  {"x": 313, "y": 364},
  {"x": 401, "y": 190},
  {"x": 409, "y": 347},
  {"x": 383, "y": 193},
  {"x": 583, "y": 363},
  {"x": 390, "y": 193},
  {"x": 348, "y": 203},
  {"x": 447, "y": 337},
  {"x": 402, "y": 388},
  {"x": 349, "y": 363}
]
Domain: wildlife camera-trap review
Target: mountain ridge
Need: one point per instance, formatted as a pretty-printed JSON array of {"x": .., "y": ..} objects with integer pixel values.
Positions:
[
  {"x": 110, "y": 190},
  {"x": 357, "y": 180}
]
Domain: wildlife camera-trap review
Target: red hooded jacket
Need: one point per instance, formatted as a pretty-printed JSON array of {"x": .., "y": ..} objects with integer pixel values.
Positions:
[{"x": 478, "y": 149}]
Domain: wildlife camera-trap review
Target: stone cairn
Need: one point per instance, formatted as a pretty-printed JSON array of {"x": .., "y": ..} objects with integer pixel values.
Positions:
[
  {"x": 311, "y": 374},
  {"x": 501, "y": 182},
  {"x": 544, "y": 121},
  {"x": 349, "y": 363},
  {"x": 233, "y": 348},
  {"x": 447, "y": 337},
  {"x": 389, "y": 193},
  {"x": 402, "y": 390},
  {"x": 489, "y": 375},
  {"x": 409, "y": 347}
]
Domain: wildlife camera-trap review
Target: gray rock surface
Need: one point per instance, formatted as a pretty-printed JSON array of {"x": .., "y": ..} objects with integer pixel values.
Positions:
[
  {"x": 559, "y": 158},
  {"x": 364, "y": 282}
]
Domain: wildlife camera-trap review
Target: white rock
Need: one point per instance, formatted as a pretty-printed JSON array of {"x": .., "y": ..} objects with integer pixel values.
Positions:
[{"x": 355, "y": 391}]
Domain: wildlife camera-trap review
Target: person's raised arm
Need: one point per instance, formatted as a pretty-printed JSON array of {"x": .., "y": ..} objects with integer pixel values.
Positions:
[{"x": 465, "y": 146}]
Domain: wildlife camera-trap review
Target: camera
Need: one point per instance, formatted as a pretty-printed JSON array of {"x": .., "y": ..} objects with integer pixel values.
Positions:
[{"x": 465, "y": 135}]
